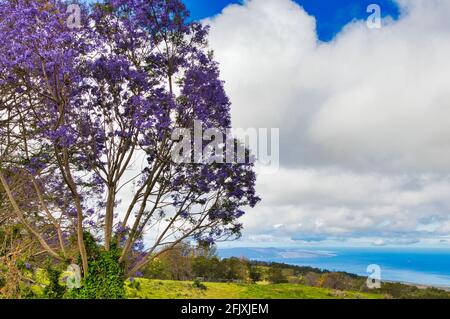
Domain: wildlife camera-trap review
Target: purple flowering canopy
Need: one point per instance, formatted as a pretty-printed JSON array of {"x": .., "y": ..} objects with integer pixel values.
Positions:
[{"x": 80, "y": 105}]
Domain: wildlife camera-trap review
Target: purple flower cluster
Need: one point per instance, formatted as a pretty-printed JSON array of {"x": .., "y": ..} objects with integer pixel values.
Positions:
[{"x": 94, "y": 95}]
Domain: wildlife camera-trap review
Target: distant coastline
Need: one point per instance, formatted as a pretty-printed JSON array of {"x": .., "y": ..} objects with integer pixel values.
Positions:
[{"x": 422, "y": 268}]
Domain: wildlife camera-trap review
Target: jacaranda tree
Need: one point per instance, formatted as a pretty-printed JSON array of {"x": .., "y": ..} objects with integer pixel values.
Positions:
[{"x": 80, "y": 106}]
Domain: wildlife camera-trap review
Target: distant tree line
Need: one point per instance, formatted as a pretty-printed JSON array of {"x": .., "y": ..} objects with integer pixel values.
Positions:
[
  {"x": 201, "y": 262},
  {"x": 186, "y": 262}
]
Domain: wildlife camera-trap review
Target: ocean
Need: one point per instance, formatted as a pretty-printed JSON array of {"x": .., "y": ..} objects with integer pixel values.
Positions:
[{"x": 410, "y": 265}]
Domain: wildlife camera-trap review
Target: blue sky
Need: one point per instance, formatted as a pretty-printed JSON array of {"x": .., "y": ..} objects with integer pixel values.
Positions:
[{"x": 330, "y": 15}]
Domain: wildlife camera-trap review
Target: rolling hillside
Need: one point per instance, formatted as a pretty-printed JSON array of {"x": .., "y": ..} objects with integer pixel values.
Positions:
[{"x": 168, "y": 289}]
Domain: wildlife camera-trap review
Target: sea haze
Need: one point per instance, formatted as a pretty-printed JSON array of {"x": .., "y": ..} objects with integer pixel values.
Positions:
[{"x": 411, "y": 265}]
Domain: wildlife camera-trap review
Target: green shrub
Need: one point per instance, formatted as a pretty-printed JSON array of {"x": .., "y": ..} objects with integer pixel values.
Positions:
[
  {"x": 26, "y": 292},
  {"x": 105, "y": 277},
  {"x": 54, "y": 290},
  {"x": 134, "y": 284},
  {"x": 199, "y": 285},
  {"x": 254, "y": 273},
  {"x": 276, "y": 275}
]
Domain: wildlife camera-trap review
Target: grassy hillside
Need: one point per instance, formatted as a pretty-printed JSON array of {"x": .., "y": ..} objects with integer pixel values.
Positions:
[{"x": 162, "y": 289}]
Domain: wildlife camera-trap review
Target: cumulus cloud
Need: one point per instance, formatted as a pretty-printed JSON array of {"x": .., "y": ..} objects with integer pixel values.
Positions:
[{"x": 364, "y": 119}]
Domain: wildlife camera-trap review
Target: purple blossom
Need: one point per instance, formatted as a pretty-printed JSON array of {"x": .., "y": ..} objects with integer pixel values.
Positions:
[{"x": 101, "y": 92}]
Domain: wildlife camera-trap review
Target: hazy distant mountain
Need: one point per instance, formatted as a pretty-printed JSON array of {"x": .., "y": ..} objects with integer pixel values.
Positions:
[{"x": 263, "y": 253}]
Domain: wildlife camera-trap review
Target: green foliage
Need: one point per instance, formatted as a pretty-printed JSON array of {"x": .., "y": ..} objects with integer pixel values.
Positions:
[
  {"x": 199, "y": 285},
  {"x": 26, "y": 292},
  {"x": 339, "y": 281},
  {"x": 276, "y": 275},
  {"x": 210, "y": 268},
  {"x": 54, "y": 290},
  {"x": 254, "y": 273},
  {"x": 105, "y": 277},
  {"x": 157, "y": 269},
  {"x": 235, "y": 269},
  {"x": 134, "y": 284},
  {"x": 400, "y": 291}
]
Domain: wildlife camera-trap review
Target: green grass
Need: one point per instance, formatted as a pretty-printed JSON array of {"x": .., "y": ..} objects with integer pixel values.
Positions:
[{"x": 167, "y": 289}]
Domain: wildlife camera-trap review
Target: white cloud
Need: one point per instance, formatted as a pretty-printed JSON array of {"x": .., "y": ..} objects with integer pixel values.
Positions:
[
  {"x": 396, "y": 241},
  {"x": 364, "y": 120}
]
